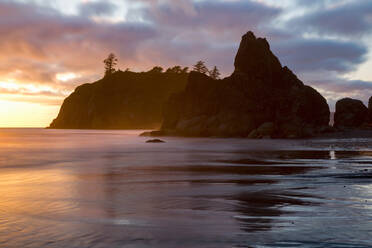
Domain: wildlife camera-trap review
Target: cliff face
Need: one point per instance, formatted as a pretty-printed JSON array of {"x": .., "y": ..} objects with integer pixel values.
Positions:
[
  {"x": 124, "y": 100},
  {"x": 260, "y": 99}
]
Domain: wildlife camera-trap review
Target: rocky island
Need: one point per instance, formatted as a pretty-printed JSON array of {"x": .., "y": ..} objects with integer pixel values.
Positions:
[
  {"x": 260, "y": 99},
  {"x": 352, "y": 119},
  {"x": 350, "y": 113}
]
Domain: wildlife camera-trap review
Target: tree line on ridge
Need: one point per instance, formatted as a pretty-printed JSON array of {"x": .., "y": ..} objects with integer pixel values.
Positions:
[{"x": 111, "y": 62}]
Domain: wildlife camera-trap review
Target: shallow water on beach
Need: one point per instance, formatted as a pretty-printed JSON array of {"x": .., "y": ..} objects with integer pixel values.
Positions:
[{"x": 73, "y": 188}]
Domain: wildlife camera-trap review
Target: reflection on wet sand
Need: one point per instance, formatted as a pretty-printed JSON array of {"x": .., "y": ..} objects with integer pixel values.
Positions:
[
  {"x": 115, "y": 192},
  {"x": 253, "y": 210},
  {"x": 228, "y": 169},
  {"x": 257, "y": 209}
]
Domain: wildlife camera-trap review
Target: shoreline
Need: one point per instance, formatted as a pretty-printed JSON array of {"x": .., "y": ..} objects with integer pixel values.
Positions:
[{"x": 337, "y": 134}]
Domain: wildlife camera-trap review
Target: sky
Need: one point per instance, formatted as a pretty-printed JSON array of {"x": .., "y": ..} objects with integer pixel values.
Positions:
[{"x": 48, "y": 47}]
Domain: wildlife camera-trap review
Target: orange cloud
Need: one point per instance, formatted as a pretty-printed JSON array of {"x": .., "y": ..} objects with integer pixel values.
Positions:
[{"x": 41, "y": 46}]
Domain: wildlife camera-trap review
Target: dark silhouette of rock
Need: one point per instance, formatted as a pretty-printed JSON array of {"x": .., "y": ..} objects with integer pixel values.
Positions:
[
  {"x": 260, "y": 99},
  {"x": 350, "y": 113},
  {"x": 266, "y": 130},
  {"x": 155, "y": 141},
  {"x": 122, "y": 100},
  {"x": 370, "y": 111}
]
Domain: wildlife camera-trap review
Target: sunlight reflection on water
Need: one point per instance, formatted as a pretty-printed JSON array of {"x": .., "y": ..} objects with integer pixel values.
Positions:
[{"x": 70, "y": 188}]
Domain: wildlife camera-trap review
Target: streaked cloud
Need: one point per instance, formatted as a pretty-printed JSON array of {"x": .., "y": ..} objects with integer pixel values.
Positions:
[
  {"x": 304, "y": 55},
  {"x": 103, "y": 8},
  {"x": 50, "y": 47},
  {"x": 345, "y": 18}
]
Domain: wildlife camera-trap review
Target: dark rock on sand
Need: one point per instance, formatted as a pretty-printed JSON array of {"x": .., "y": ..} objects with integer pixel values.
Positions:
[
  {"x": 155, "y": 141},
  {"x": 260, "y": 99},
  {"x": 123, "y": 100},
  {"x": 350, "y": 113},
  {"x": 370, "y": 110}
]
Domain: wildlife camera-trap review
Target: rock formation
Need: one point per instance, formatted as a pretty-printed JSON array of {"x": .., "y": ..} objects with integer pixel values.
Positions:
[
  {"x": 123, "y": 100},
  {"x": 260, "y": 99},
  {"x": 350, "y": 113},
  {"x": 155, "y": 141},
  {"x": 370, "y": 110}
]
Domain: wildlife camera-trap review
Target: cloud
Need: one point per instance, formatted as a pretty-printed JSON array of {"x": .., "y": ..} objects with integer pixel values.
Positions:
[
  {"x": 210, "y": 32},
  {"x": 38, "y": 42},
  {"x": 320, "y": 54},
  {"x": 41, "y": 42},
  {"x": 212, "y": 17},
  {"x": 101, "y": 8},
  {"x": 336, "y": 88},
  {"x": 186, "y": 6},
  {"x": 347, "y": 18}
]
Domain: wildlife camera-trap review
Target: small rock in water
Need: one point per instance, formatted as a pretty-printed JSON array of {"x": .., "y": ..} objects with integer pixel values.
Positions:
[{"x": 155, "y": 141}]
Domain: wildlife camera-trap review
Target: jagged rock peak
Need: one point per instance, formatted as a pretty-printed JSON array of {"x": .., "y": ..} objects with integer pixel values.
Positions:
[
  {"x": 260, "y": 99},
  {"x": 250, "y": 36},
  {"x": 255, "y": 58}
]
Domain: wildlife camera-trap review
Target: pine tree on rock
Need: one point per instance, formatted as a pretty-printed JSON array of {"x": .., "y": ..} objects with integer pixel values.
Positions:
[
  {"x": 200, "y": 67},
  {"x": 110, "y": 64},
  {"x": 215, "y": 73}
]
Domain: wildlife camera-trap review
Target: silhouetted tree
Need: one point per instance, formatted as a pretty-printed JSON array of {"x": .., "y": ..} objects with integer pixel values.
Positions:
[
  {"x": 110, "y": 63},
  {"x": 156, "y": 69},
  {"x": 200, "y": 67},
  {"x": 214, "y": 73},
  {"x": 185, "y": 70}
]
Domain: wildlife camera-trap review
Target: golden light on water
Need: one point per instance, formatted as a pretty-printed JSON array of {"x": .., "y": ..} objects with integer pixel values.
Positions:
[{"x": 27, "y": 193}]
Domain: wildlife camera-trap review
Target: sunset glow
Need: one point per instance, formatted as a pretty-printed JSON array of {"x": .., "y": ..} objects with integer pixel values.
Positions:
[
  {"x": 32, "y": 114},
  {"x": 66, "y": 76},
  {"x": 50, "y": 47}
]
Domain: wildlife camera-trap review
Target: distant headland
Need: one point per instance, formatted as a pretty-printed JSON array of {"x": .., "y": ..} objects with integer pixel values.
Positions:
[
  {"x": 121, "y": 100},
  {"x": 261, "y": 99}
]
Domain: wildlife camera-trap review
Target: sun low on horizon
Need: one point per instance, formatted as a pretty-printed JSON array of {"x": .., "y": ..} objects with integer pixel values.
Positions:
[{"x": 48, "y": 48}]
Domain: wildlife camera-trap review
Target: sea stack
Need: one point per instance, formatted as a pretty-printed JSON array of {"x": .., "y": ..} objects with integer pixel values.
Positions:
[
  {"x": 370, "y": 110},
  {"x": 350, "y": 113},
  {"x": 260, "y": 99}
]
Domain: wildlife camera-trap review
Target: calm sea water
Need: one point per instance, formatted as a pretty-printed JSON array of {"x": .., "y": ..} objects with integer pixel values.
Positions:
[{"x": 69, "y": 188}]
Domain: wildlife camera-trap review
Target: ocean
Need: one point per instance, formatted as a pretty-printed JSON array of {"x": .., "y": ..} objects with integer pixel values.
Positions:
[{"x": 79, "y": 188}]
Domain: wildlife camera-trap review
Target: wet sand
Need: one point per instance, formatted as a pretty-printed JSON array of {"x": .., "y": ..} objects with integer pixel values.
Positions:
[{"x": 70, "y": 188}]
